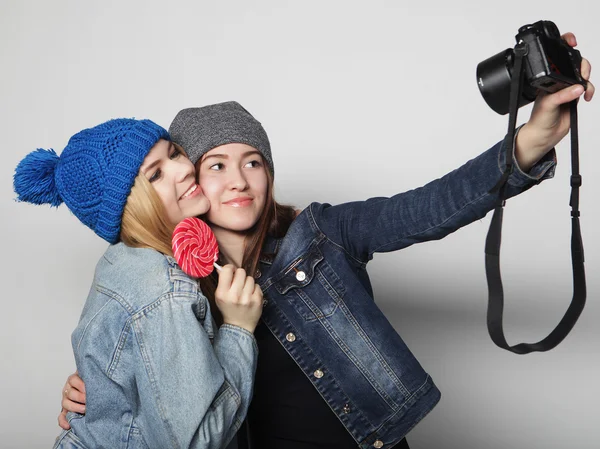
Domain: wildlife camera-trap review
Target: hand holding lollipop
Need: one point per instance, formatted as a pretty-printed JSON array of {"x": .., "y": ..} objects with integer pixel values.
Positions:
[
  {"x": 195, "y": 247},
  {"x": 238, "y": 297}
]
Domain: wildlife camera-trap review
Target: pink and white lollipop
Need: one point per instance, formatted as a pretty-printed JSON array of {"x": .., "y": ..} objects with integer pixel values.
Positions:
[{"x": 195, "y": 247}]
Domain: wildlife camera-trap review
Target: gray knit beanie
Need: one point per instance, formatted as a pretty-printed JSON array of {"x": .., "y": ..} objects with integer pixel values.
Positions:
[{"x": 199, "y": 130}]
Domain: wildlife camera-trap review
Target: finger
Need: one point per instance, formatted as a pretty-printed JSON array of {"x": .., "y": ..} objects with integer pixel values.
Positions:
[
  {"x": 570, "y": 38},
  {"x": 563, "y": 96},
  {"x": 257, "y": 293},
  {"x": 74, "y": 395},
  {"x": 586, "y": 69},
  {"x": 62, "y": 420},
  {"x": 76, "y": 382},
  {"x": 589, "y": 93},
  {"x": 239, "y": 279},
  {"x": 72, "y": 406},
  {"x": 248, "y": 287},
  {"x": 225, "y": 278}
]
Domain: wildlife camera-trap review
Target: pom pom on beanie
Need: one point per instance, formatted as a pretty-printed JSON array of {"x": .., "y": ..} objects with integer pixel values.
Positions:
[{"x": 34, "y": 178}]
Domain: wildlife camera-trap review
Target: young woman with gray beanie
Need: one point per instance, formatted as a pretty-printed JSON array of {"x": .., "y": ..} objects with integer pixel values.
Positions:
[
  {"x": 159, "y": 372},
  {"x": 332, "y": 371}
]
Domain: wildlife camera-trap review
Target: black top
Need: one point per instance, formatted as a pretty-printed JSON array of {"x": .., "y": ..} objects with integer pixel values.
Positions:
[{"x": 297, "y": 417}]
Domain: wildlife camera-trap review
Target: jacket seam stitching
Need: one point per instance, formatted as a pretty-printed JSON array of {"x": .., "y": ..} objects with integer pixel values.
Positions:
[
  {"x": 115, "y": 296},
  {"x": 314, "y": 222},
  {"x": 365, "y": 372},
  {"x": 163, "y": 298},
  {"x": 84, "y": 333},
  {"x": 373, "y": 349},
  {"x": 112, "y": 367},
  {"x": 424, "y": 384}
]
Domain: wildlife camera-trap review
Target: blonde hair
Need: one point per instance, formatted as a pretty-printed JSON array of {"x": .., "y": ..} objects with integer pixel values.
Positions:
[{"x": 144, "y": 223}]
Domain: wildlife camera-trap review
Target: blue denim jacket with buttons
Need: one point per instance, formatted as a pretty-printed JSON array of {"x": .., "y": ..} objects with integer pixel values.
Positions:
[
  {"x": 158, "y": 372},
  {"x": 319, "y": 302}
]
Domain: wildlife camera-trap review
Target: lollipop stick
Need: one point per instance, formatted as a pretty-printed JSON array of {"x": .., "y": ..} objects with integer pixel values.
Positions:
[{"x": 218, "y": 267}]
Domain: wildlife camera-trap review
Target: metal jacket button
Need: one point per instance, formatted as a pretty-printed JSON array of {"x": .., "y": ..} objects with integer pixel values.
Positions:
[
  {"x": 378, "y": 444},
  {"x": 318, "y": 374},
  {"x": 301, "y": 275},
  {"x": 290, "y": 337}
]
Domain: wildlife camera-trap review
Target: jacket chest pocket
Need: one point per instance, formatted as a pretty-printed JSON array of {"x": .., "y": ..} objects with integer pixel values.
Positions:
[{"x": 311, "y": 286}]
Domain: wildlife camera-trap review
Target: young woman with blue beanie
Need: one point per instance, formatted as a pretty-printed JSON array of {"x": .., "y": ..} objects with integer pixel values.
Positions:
[
  {"x": 159, "y": 372},
  {"x": 332, "y": 371}
]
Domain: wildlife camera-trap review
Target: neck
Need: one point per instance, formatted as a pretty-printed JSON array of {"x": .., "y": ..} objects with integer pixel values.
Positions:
[{"x": 231, "y": 245}]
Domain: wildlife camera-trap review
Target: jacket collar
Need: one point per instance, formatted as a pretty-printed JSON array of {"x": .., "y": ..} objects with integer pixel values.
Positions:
[{"x": 270, "y": 249}]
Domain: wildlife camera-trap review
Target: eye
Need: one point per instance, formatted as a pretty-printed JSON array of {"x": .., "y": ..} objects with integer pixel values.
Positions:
[
  {"x": 155, "y": 176},
  {"x": 253, "y": 164},
  {"x": 176, "y": 153},
  {"x": 217, "y": 167}
]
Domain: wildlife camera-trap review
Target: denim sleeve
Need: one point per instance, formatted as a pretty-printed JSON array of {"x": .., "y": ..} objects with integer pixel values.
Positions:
[
  {"x": 427, "y": 213},
  {"x": 192, "y": 394}
]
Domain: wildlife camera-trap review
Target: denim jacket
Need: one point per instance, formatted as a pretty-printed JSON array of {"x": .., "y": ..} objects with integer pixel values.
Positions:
[
  {"x": 319, "y": 301},
  {"x": 158, "y": 372}
]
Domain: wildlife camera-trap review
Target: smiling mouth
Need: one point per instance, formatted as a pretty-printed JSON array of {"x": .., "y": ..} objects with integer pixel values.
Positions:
[
  {"x": 239, "y": 202},
  {"x": 189, "y": 192}
]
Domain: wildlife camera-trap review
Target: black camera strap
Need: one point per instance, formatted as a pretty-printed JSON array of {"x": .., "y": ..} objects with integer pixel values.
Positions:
[{"x": 493, "y": 240}]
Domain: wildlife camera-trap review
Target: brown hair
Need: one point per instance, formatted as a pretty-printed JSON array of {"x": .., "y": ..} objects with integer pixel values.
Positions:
[{"x": 274, "y": 222}]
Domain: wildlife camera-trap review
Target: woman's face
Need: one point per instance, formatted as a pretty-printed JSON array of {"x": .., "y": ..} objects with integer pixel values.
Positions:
[
  {"x": 173, "y": 177},
  {"x": 234, "y": 179}
]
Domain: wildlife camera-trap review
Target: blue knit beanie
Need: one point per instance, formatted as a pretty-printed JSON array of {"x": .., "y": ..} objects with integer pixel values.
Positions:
[{"x": 93, "y": 175}]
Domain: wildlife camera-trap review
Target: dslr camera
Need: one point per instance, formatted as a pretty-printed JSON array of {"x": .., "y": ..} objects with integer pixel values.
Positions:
[{"x": 549, "y": 65}]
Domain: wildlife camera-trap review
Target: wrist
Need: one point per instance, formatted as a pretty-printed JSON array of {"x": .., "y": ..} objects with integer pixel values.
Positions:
[
  {"x": 246, "y": 326},
  {"x": 528, "y": 151}
]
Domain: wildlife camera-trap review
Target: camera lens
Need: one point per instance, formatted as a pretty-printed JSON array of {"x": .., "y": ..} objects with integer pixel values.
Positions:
[{"x": 494, "y": 77}]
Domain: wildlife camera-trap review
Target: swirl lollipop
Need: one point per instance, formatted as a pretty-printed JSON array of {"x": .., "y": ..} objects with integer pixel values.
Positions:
[{"x": 195, "y": 247}]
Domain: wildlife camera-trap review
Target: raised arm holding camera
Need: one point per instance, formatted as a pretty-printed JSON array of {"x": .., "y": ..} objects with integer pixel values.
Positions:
[{"x": 552, "y": 90}]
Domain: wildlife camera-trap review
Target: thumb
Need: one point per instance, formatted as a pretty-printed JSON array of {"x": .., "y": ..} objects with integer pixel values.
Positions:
[{"x": 565, "y": 95}]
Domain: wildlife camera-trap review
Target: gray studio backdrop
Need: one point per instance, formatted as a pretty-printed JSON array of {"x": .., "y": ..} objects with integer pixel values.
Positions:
[{"x": 360, "y": 99}]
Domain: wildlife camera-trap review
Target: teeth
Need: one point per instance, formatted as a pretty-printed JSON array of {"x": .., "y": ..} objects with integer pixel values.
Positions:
[{"x": 189, "y": 192}]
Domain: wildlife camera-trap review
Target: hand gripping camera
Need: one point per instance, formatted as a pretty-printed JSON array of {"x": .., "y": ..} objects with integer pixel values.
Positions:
[{"x": 550, "y": 65}]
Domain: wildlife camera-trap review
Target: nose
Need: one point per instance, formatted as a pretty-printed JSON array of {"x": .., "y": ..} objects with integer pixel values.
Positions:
[
  {"x": 183, "y": 169},
  {"x": 237, "y": 180}
]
